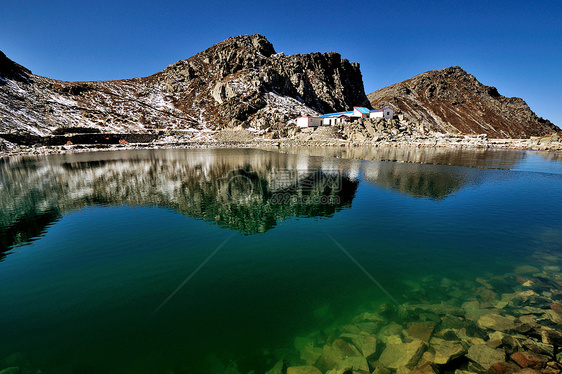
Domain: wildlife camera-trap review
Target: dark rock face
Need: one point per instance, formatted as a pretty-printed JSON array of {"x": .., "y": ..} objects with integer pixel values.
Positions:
[
  {"x": 240, "y": 81},
  {"x": 11, "y": 70},
  {"x": 452, "y": 101}
]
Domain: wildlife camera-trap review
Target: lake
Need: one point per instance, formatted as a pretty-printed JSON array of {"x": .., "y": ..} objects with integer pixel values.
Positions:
[{"x": 223, "y": 260}]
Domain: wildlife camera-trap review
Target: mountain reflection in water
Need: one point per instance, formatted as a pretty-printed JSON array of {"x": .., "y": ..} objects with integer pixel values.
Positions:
[{"x": 244, "y": 190}]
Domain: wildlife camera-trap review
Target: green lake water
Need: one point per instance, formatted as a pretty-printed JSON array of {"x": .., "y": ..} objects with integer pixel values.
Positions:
[{"x": 187, "y": 261}]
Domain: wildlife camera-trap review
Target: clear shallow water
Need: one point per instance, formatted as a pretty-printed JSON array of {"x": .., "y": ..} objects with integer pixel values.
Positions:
[{"x": 112, "y": 262}]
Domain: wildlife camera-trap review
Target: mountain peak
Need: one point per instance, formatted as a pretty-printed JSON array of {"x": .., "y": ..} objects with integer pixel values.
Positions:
[
  {"x": 256, "y": 42},
  {"x": 451, "y": 100}
]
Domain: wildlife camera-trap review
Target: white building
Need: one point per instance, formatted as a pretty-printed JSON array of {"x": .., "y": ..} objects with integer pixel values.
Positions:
[
  {"x": 386, "y": 113},
  {"x": 360, "y": 112},
  {"x": 309, "y": 121},
  {"x": 332, "y": 119}
]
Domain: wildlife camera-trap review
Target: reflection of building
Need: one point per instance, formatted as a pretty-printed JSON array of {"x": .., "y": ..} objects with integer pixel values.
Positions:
[{"x": 332, "y": 119}]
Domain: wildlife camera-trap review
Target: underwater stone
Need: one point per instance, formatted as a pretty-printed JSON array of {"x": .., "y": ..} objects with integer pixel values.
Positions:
[
  {"x": 484, "y": 356},
  {"x": 310, "y": 354},
  {"x": 367, "y": 345},
  {"x": 526, "y": 269},
  {"x": 421, "y": 330},
  {"x": 503, "y": 368},
  {"x": 405, "y": 354},
  {"x": 279, "y": 368},
  {"x": 426, "y": 368},
  {"x": 496, "y": 322},
  {"x": 345, "y": 349},
  {"x": 530, "y": 360},
  {"x": 354, "y": 363},
  {"x": 380, "y": 370},
  {"x": 448, "y": 351},
  {"x": 303, "y": 370}
]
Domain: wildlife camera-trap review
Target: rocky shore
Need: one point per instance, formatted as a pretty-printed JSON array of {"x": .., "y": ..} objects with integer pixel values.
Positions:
[{"x": 550, "y": 143}]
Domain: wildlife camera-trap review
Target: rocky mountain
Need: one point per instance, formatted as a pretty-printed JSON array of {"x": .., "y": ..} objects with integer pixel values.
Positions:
[
  {"x": 452, "y": 101},
  {"x": 240, "y": 81}
]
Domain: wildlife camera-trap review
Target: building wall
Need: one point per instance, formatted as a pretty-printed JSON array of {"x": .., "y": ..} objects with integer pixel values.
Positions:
[
  {"x": 386, "y": 113},
  {"x": 309, "y": 121},
  {"x": 331, "y": 121},
  {"x": 357, "y": 113}
]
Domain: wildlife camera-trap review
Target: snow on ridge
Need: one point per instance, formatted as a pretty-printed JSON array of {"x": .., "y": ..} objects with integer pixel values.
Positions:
[{"x": 287, "y": 105}]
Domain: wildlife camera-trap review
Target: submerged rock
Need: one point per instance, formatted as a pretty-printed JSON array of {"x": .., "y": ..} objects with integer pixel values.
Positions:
[
  {"x": 404, "y": 354},
  {"x": 279, "y": 368},
  {"x": 496, "y": 322},
  {"x": 526, "y": 269},
  {"x": 483, "y": 357},
  {"x": 448, "y": 351},
  {"x": 421, "y": 330},
  {"x": 303, "y": 370},
  {"x": 530, "y": 360},
  {"x": 366, "y": 344}
]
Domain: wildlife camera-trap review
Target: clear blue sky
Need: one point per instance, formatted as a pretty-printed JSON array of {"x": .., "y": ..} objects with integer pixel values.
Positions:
[{"x": 513, "y": 45}]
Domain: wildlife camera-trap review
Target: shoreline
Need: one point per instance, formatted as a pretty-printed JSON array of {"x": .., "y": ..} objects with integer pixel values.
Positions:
[{"x": 445, "y": 142}]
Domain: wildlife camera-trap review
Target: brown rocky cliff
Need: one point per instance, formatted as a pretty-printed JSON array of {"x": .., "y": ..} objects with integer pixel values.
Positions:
[
  {"x": 452, "y": 101},
  {"x": 243, "y": 76},
  {"x": 240, "y": 81}
]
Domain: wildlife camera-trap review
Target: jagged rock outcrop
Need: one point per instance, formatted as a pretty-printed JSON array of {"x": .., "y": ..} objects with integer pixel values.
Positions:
[
  {"x": 452, "y": 101},
  {"x": 240, "y": 81}
]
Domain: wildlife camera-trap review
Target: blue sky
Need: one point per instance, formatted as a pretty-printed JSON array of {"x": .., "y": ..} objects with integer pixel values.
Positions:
[{"x": 513, "y": 45}]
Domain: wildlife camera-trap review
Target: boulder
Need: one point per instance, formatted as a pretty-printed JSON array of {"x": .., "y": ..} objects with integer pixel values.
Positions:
[
  {"x": 368, "y": 327},
  {"x": 496, "y": 322},
  {"x": 483, "y": 356},
  {"x": 279, "y": 368},
  {"x": 403, "y": 370},
  {"x": 530, "y": 371},
  {"x": 503, "y": 368},
  {"x": 392, "y": 329},
  {"x": 366, "y": 344},
  {"x": 404, "y": 354},
  {"x": 473, "y": 310},
  {"x": 448, "y": 351},
  {"x": 526, "y": 269},
  {"x": 530, "y": 360},
  {"x": 354, "y": 363},
  {"x": 452, "y": 322},
  {"x": 345, "y": 349},
  {"x": 380, "y": 370},
  {"x": 310, "y": 354},
  {"x": 303, "y": 370},
  {"x": 329, "y": 359},
  {"x": 552, "y": 337},
  {"x": 421, "y": 330},
  {"x": 426, "y": 368}
]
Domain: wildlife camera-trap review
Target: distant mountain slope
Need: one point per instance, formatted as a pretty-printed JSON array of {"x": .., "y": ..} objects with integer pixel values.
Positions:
[
  {"x": 240, "y": 81},
  {"x": 452, "y": 101}
]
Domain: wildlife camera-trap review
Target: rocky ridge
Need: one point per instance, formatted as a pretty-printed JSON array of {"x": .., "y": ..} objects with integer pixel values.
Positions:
[
  {"x": 241, "y": 81},
  {"x": 452, "y": 101}
]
